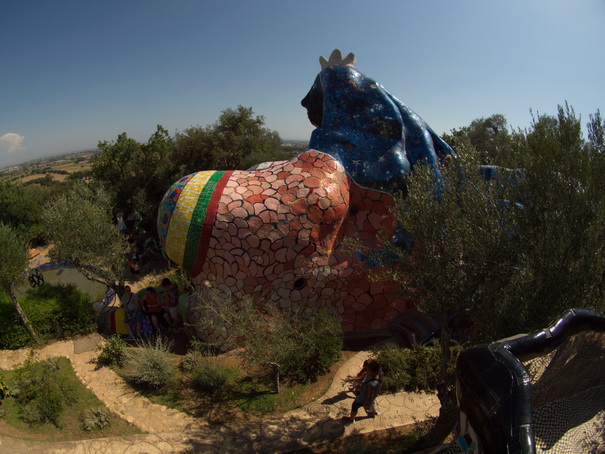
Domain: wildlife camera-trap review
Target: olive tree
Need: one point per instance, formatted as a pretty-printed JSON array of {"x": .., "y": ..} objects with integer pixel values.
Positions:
[
  {"x": 292, "y": 345},
  {"x": 460, "y": 230},
  {"x": 136, "y": 174},
  {"x": 490, "y": 138},
  {"x": 14, "y": 253},
  {"x": 508, "y": 255},
  {"x": 560, "y": 261},
  {"x": 80, "y": 228},
  {"x": 237, "y": 140}
]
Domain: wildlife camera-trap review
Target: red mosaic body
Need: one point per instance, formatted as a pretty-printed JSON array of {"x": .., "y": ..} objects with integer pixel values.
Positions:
[{"x": 274, "y": 235}]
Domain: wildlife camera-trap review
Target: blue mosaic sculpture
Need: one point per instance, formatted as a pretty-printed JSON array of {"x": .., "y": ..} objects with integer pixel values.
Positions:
[{"x": 376, "y": 137}]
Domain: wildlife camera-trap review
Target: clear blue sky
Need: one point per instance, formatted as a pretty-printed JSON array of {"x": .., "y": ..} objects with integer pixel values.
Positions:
[{"x": 78, "y": 71}]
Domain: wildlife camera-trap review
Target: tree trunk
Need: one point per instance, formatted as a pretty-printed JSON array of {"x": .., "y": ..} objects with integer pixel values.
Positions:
[
  {"x": 445, "y": 342},
  {"x": 92, "y": 277},
  {"x": 23, "y": 317},
  {"x": 448, "y": 415}
]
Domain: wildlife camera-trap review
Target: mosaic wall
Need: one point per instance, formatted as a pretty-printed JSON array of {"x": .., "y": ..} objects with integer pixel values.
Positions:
[{"x": 275, "y": 233}]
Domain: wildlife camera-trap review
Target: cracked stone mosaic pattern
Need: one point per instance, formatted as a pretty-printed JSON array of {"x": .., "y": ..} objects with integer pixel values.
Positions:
[{"x": 274, "y": 235}]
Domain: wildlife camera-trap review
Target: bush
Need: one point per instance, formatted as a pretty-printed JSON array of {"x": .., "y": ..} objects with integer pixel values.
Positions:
[
  {"x": 5, "y": 391},
  {"x": 298, "y": 345},
  {"x": 59, "y": 311},
  {"x": 41, "y": 398},
  {"x": 301, "y": 348},
  {"x": 113, "y": 352},
  {"x": 193, "y": 360},
  {"x": 13, "y": 334},
  {"x": 196, "y": 355},
  {"x": 182, "y": 281},
  {"x": 414, "y": 370},
  {"x": 314, "y": 348},
  {"x": 149, "y": 366},
  {"x": 95, "y": 418},
  {"x": 210, "y": 378},
  {"x": 55, "y": 312}
]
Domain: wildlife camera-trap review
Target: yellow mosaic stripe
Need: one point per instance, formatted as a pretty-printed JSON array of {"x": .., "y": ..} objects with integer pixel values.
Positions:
[{"x": 176, "y": 240}]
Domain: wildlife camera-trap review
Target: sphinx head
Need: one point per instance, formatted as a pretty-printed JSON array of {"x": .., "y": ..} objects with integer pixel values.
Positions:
[{"x": 376, "y": 137}]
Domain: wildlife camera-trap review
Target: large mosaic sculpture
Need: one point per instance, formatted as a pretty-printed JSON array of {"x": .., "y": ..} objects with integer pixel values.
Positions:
[{"x": 273, "y": 233}]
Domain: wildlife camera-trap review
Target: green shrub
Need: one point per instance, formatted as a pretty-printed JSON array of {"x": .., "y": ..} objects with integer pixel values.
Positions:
[
  {"x": 41, "y": 398},
  {"x": 312, "y": 346},
  {"x": 113, "y": 352},
  {"x": 13, "y": 334},
  {"x": 59, "y": 311},
  {"x": 55, "y": 312},
  {"x": 95, "y": 418},
  {"x": 416, "y": 369},
  {"x": 193, "y": 359},
  {"x": 301, "y": 348},
  {"x": 182, "y": 280},
  {"x": 5, "y": 391},
  {"x": 209, "y": 378},
  {"x": 149, "y": 366}
]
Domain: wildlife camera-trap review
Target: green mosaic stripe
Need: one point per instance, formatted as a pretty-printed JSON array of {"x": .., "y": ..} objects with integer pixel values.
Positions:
[{"x": 194, "y": 234}]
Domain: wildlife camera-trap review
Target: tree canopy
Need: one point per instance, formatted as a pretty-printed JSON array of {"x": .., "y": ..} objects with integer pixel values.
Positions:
[
  {"x": 137, "y": 174},
  {"x": 237, "y": 141},
  {"x": 517, "y": 249},
  {"x": 80, "y": 227},
  {"x": 497, "y": 257},
  {"x": 490, "y": 138},
  {"x": 19, "y": 209}
]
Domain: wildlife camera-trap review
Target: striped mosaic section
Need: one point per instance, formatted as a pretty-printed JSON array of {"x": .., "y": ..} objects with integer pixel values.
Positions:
[
  {"x": 194, "y": 235},
  {"x": 167, "y": 206},
  {"x": 210, "y": 216},
  {"x": 180, "y": 221}
]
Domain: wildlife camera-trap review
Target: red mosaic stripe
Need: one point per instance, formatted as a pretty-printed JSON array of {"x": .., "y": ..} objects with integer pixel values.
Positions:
[{"x": 209, "y": 224}]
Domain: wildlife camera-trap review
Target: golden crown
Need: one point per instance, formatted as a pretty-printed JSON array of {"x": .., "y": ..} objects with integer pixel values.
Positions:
[{"x": 336, "y": 60}]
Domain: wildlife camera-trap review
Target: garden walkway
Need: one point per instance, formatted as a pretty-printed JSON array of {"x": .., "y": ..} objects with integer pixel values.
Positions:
[{"x": 170, "y": 431}]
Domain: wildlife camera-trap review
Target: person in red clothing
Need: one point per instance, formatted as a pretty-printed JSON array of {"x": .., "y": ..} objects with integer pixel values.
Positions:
[{"x": 154, "y": 307}]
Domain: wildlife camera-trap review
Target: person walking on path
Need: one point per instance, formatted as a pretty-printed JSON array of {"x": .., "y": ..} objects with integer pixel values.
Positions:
[{"x": 370, "y": 388}]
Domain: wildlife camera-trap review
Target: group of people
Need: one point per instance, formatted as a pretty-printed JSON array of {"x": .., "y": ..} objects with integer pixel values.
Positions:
[
  {"x": 155, "y": 312},
  {"x": 366, "y": 387}
]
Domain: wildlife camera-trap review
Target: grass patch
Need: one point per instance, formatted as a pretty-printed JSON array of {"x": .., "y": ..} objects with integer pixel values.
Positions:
[{"x": 69, "y": 404}]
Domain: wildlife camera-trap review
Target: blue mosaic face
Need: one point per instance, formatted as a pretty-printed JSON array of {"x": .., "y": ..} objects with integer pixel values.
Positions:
[{"x": 376, "y": 137}]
